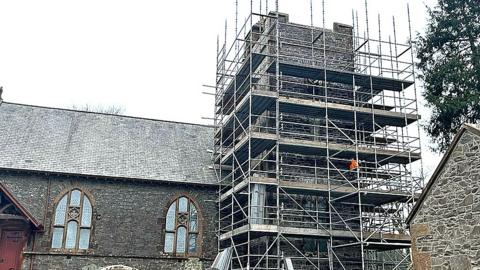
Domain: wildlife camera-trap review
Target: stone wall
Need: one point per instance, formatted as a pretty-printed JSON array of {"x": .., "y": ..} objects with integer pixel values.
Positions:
[
  {"x": 446, "y": 229},
  {"x": 296, "y": 48},
  {"x": 128, "y": 220}
]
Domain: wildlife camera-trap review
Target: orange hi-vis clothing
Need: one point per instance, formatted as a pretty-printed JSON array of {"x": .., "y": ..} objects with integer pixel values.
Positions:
[{"x": 353, "y": 165}]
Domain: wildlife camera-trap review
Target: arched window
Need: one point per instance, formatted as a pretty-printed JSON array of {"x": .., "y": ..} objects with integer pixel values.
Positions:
[
  {"x": 182, "y": 227},
  {"x": 72, "y": 225}
]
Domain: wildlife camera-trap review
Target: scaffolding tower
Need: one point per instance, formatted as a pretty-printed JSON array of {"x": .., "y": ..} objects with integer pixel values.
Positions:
[{"x": 316, "y": 131}]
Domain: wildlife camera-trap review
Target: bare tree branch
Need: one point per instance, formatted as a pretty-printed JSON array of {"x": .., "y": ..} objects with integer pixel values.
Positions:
[{"x": 108, "y": 109}]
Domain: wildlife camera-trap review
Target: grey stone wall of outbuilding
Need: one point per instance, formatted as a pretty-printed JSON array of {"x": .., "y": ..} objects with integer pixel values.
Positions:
[
  {"x": 446, "y": 229},
  {"x": 128, "y": 220}
]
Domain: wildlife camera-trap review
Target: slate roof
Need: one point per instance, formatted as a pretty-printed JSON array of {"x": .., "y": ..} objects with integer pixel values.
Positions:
[
  {"x": 21, "y": 210},
  {"x": 472, "y": 128},
  {"x": 84, "y": 143}
]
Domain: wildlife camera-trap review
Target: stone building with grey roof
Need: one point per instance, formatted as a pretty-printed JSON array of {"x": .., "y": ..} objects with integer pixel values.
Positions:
[
  {"x": 83, "y": 190},
  {"x": 445, "y": 222}
]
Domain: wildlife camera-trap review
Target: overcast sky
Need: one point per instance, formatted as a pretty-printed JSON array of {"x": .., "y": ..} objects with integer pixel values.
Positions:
[{"x": 150, "y": 56}]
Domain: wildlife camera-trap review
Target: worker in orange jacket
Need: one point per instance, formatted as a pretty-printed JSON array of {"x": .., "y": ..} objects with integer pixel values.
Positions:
[{"x": 353, "y": 164}]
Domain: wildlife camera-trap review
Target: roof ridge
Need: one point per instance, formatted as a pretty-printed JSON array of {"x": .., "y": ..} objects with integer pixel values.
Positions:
[{"x": 107, "y": 114}]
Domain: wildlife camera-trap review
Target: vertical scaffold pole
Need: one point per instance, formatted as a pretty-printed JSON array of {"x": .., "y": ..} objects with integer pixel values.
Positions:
[
  {"x": 236, "y": 27},
  {"x": 362, "y": 250},
  {"x": 216, "y": 126},
  {"x": 277, "y": 126},
  {"x": 416, "y": 97},
  {"x": 356, "y": 131},
  {"x": 311, "y": 33},
  {"x": 249, "y": 173},
  {"x": 329, "y": 184}
]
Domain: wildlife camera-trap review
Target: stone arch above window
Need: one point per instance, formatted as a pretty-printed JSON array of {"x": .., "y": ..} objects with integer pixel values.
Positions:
[
  {"x": 182, "y": 227},
  {"x": 72, "y": 221},
  {"x": 117, "y": 267}
]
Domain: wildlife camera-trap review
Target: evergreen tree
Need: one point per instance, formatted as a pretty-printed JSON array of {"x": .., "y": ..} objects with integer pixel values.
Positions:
[{"x": 449, "y": 54}]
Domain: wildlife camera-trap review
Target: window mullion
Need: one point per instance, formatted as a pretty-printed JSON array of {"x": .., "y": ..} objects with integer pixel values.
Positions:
[
  {"x": 79, "y": 219},
  {"x": 64, "y": 238},
  {"x": 187, "y": 238},
  {"x": 176, "y": 227}
]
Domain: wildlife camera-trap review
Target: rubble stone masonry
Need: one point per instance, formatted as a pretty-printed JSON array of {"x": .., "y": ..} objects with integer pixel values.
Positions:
[
  {"x": 446, "y": 229},
  {"x": 128, "y": 221}
]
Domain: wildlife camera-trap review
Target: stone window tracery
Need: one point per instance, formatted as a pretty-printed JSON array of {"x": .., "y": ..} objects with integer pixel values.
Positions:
[
  {"x": 72, "y": 224},
  {"x": 182, "y": 227}
]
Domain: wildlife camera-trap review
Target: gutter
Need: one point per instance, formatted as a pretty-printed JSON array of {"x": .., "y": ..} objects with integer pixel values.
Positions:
[{"x": 113, "y": 178}]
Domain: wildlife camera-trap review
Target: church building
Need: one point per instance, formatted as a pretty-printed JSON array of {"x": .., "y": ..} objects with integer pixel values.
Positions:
[{"x": 83, "y": 190}]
